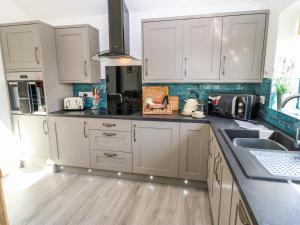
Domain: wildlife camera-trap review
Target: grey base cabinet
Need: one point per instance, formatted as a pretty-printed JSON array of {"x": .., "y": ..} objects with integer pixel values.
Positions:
[
  {"x": 193, "y": 151},
  {"x": 69, "y": 141},
  {"x": 239, "y": 214},
  {"x": 32, "y": 131},
  {"x": 226, "y": 204},
  {"x": 155, "y": 148}
]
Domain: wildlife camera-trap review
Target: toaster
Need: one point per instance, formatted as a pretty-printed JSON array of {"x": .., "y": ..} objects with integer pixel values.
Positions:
[{"x": 74, "y": 103}]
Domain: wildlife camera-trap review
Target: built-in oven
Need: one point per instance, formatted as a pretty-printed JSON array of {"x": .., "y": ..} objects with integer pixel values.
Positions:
[{"x": 26, "y": 94}]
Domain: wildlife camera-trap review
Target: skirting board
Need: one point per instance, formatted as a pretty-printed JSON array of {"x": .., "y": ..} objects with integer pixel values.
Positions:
[{"x": 132, "y": 176}]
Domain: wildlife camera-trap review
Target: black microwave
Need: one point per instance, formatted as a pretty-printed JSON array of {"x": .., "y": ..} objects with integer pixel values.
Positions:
[{"x": 236, "y": 106}]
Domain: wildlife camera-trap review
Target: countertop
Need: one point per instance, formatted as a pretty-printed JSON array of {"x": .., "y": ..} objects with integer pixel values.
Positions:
[{"x": 268, "y": 202}]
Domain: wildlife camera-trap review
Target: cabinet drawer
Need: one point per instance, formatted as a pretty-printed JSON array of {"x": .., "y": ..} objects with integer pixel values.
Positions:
[
  {"x": 110, "y": 140},
  {"x": 115, "y": 161},
  {"x": 109, "y": 124}
]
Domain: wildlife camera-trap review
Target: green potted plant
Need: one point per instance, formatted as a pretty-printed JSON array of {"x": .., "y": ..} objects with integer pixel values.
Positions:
[{"x": 282, "y": 87}]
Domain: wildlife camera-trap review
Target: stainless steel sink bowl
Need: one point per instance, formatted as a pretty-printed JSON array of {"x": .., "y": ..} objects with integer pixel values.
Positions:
[
  {"x": 276, "y": 136},
  {"x": 256, "y": 143}
]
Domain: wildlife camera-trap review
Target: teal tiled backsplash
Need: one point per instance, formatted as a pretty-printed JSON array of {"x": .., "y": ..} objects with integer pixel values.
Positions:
[{"x": 278, "y": 119}]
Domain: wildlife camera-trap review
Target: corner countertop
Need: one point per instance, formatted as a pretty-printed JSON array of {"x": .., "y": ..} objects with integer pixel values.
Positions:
[{"x": 268, "y": 202}]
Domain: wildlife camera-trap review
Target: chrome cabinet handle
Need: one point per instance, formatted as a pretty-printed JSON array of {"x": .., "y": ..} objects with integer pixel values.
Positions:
[
  {"x": 109, "y": 134},
  {"x": 242, "y": 214},
  {"x": 146, "y": 65},
  {"x": 19, "y": 131},
  {"x": 84, "y": 130},
  {"x": 108, "y": 124},
  {"x": 110, "y": 154},
  {"x": 57, "y": 149},
  {"x": 134, "y": 137},
  {"x": 45, "y": 130},
  {"x": 85, "y": 69},
  {"x": 224, "y": 61},
  {"x": 36, "y": 56},
  {"x": 185, "y": 61}
]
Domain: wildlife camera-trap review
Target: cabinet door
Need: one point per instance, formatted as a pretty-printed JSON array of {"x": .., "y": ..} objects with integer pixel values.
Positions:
[
  {"x": 242, "y": 47},
  {"x": 239, "y": 214},
  {"x": 72, "y": 55},
  {"x": 33, "y": 133},
  {"x": 193, "y": 151},
  {"x": 202, "y": 49},
  {"x": 210, "y": 164},
  {"x": 69, "y": 141},
  {"x": 162, "y": 51},
  {"x": 226, "y": 195},
  {"x": 155, "y": 148},
  {"x": 216, "y": 183},
  {"x": 21, "y": 48}
]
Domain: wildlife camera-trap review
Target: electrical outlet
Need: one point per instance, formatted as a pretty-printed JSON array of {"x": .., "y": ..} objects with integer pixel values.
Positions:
[
  {"x": 88, "y": 94},
  {"x": 262, "y": 99}
]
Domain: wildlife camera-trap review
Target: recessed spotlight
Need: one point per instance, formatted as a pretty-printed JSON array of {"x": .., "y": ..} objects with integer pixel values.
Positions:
[
  {"x": 119, "y": 173},
  {"x": 186, "y": 181},
  {"x": 90, "y": 170},
  {"x": 61, "y": 167},
  {"x": 151, "y": 177}
]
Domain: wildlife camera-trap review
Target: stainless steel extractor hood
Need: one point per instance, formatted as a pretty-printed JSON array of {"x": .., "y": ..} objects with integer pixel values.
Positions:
[{"x": 118, "y": 21}]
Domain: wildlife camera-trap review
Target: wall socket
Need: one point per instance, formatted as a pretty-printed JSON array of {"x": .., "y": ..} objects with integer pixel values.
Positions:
[
  {"x": 88, "y": 93},
  {"x": 262, "y": 100}
]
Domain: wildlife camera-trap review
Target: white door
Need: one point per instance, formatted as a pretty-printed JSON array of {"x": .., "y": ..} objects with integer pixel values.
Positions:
[
  {"x": 69, "y": 141},
  {"x": 162, "y": 45},
  {"x": 193, "y": 151},
  {"x": 242, "y": 47},
  {"x": 155, "y": 148},
  {"x": 33, "y": 133},
  {"x": 21, "y": 48},
  {"x": 202, "y": 49},
  {"x": 72, "y": 55}
]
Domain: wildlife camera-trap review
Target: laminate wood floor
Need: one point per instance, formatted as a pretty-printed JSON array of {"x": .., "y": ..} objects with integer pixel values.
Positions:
[{"x": 44, "y": 198}]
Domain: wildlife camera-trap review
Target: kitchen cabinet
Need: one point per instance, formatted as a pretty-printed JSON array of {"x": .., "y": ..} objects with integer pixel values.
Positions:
[
  {"x": 155, "y": 148},
  {"x": 201, "y": 49},
  {"x": 69, "y": 141},
  {"x": 193, "y": 151},
  {"x": 75, "y": 46},
  {"x": 32, "y": 132},
  {"x": 243, "y": 47},
  {"x": 162, "y": 51},
  {"x": 239, "y": 214},
  {"x": 221, "y": 48},
  {"x": 21, "y": 47}
]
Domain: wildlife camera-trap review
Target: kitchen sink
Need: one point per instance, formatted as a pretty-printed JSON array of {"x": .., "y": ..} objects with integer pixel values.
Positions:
[
  {"x": 257, "y": 143},
  {"x": 265, "y": 154}
]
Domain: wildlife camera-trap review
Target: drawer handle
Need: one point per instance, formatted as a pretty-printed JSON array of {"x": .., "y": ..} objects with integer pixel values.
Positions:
[
  {"x": 109, "y": 134},
  {"x": 109, "y": 125},
  {"x": 84, "y": 130},
  {"x": 110, "y": 154},
  {"x": 134, "y": 136},
  {"x": 44, "y": 127},
  {"x": 242, "y": 214}
]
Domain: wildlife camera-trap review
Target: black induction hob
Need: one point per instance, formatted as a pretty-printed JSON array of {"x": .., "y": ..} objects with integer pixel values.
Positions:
[{"x": 116, "y": 111}]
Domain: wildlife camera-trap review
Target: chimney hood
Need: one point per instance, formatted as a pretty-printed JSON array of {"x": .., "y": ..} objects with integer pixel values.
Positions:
[{"x": 118, "y": 23}]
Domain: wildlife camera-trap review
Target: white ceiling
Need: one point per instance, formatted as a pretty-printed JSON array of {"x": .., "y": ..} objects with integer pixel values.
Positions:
[{"x": 50, "y": 9}]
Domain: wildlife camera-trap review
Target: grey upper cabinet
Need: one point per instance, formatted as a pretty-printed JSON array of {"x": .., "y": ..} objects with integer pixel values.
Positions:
[
  {"x": 243, "y": 47},
  {"x": 201, "y": 49},
  {"x": 34, "y": 137},
  {"x": 155, "y": 147},
  {"x": 69, "y": 141},
  {"x": 221, "y": 48},
  {"x": 21, "y": 47},
  {"x": 75, "y": 46},
  {"x": 162, "y": 51},
  {"x": 193, "y": 151}
]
